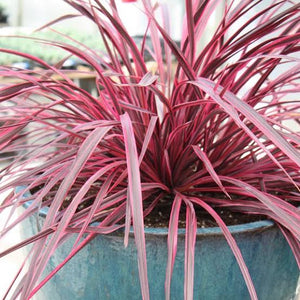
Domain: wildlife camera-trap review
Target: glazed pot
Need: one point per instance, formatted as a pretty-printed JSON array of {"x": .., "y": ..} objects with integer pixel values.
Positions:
[{"x": 104, "y": 269}]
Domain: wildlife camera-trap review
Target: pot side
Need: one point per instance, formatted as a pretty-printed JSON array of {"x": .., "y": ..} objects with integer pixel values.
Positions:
[{"x": 104, "y": 269}]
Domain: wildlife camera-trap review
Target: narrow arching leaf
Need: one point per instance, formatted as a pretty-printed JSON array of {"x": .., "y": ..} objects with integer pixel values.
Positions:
[
  {"x": 148, "y": 136},
  {"x": 84, "y": 153},
  {"x": 260, "y": 122},
  {"x": 210, "y": 168},
  {"x": 147, "y": 79},
  {"x": 172, "y": 243},
  {"x": 291, "y": 221},
  {"x": 135, "y": 200},
  {"x": 233, "y": 245},
  {"x": 190, "y": 240}
]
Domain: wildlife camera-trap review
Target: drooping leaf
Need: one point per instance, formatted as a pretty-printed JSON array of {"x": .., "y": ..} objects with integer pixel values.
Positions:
[{"x": 135, "y": 200}]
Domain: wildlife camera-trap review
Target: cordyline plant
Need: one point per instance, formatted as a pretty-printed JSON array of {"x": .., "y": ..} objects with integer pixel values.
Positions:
[{"x": 211, "y": 133}]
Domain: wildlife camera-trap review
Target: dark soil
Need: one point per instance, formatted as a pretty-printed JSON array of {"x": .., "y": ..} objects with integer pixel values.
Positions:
[{"x": 159, "y": 217}]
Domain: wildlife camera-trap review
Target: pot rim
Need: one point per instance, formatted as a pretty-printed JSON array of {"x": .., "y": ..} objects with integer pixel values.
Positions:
[
  {"x": 234, "y": 229},
  {"x": 163, "y": 231}
]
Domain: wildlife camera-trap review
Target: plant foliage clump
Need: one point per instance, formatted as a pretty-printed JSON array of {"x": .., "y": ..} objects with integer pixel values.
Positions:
[{"x": 210, "y": 126}]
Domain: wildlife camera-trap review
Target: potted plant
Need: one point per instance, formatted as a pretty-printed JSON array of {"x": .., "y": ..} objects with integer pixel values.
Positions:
[{"x": 158, "y": 155}]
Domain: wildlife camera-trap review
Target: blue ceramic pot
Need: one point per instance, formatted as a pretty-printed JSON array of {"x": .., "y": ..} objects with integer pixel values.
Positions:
[{"x": 104, "y": 269}]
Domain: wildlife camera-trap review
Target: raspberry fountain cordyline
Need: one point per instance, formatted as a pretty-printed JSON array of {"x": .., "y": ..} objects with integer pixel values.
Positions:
[{"x": 221, "y": 130}]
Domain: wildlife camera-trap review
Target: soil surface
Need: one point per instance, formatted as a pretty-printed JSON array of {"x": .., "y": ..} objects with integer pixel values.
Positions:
[{"x": 159, "y": 217}]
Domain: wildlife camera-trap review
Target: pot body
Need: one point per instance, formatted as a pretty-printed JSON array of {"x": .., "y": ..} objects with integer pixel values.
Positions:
[{"x": 104, "y": 269}]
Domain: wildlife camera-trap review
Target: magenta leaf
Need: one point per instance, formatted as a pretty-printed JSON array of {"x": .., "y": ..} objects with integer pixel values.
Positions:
[
  {"x": 135, "y": 200},
  {"x": 233, "y": 245},
  {"x": 172, "y": 243},
  {"x": 210, "y": 168},
  {"x": 190, "y": 240}
]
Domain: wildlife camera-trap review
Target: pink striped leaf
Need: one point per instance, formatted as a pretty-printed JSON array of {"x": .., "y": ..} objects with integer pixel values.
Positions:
[
  {"x": 190, "y": 240},
  {"x": 172, "y": 243},
  {"x": 135, "y": 200},
  {"x": 201, "y": 154},
  {"x": 233, "y": 245}
]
